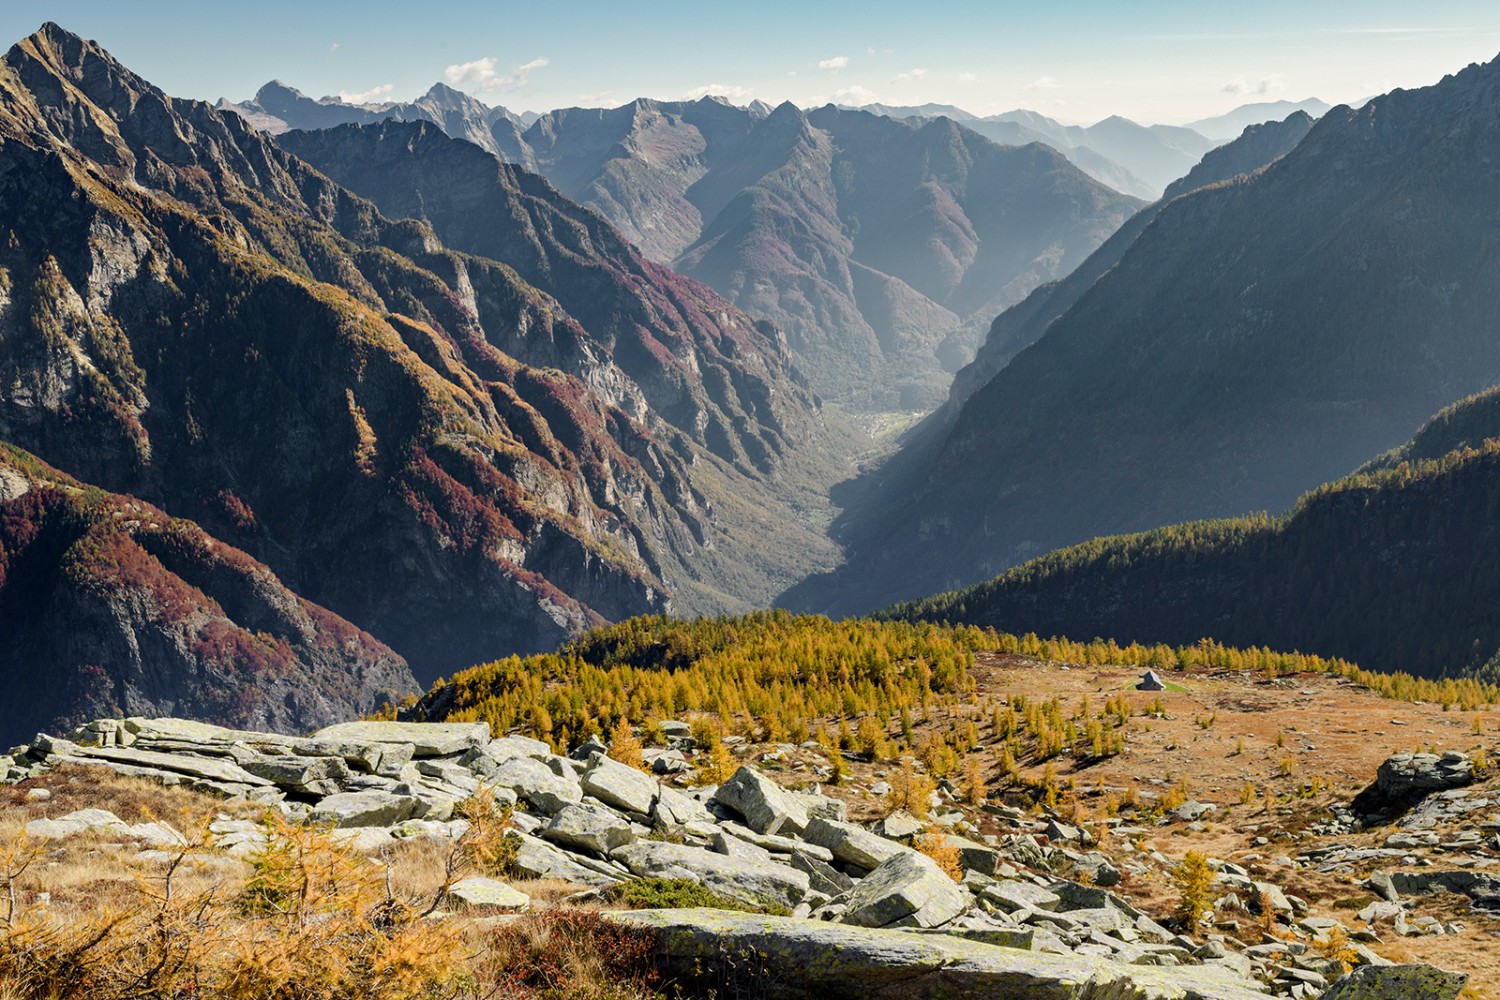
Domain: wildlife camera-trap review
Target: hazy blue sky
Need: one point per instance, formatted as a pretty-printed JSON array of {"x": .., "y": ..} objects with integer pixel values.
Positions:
[{"x": 1079, "y": 60}]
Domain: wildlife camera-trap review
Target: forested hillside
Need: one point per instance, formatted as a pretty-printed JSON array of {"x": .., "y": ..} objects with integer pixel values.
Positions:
[{"x": 1391, "y": 567}]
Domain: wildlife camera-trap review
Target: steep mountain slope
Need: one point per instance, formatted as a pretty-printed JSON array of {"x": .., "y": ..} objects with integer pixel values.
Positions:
[
  {"x": 108, "y": 605},
  {"x": 1391, "y": 566},
  {"x": 1258, "y": 338},
  {"x": 880, "y": 248},
  {"x": 415, "y": 438},
  {"x": 638, "y": 309},
  {"x": 1024, "y": 324},
  {"x": 883, "y": 246}
]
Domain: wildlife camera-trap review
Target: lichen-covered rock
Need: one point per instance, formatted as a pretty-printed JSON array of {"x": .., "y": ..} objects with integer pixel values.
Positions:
[
  {"x": 1016, "y": 894},
  {"x": 536, "y": 783},
  {"x": 618, "y": 785},
  {"x": 908, "y": 890},
  {"x": 489, "y": 894},
  {"x": 755, "y": 882},
  {"x": 766, "y": 806},
  {"x": 851, "y": 844},
  {"x": 428, "y": 739},
  {"x": 538, "y": 859},
  {"x": 348, "y": 809},
  {"x": 588, "y": 827},
  {"x": 815, "y": 960},
  {"x": 1397, "y": 982}
]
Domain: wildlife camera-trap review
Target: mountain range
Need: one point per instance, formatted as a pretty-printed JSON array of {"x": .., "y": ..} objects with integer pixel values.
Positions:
[
  {"x": 418, "y": 439},
  {"x": 1389, "y": 567},
  {"x": 882, "y": 248},
  {"x": 1257, "y": 337},
  {"x": 1139, "y": 160}
]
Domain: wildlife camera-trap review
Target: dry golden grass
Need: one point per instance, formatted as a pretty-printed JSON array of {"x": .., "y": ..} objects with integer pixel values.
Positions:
[{"x": 306, "y": 919}]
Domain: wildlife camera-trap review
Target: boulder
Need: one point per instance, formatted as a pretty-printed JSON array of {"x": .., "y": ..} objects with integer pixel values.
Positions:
[
  {"x": 673, "y": 808},
  {"x": 588, "y": 827},
  {"x": 208, "y": 768},
  {"x": 314, "y": 775},
  {"x": 364, "y": 839},
  {"x": 348, "y": 809},
  {"x": 822, "y": 876},
  {"x": 908, "y": 890},
  {"x": 539, "y": 859},
  {"x": 732, "y": 846},
  {"x": 754, "y": 882},
  {"x": 619, "y": 785},
  {"x": 427, "y": 739},
  {"x": 1407, "y": 775},
  {"x": 974, "y": 856},
  {"x": 365, "y": 757},
  {"x": 851, "y": 844},
  {"x": 814, "y": 960},
  {"x": 1397, "y": 982},
  {"x": 1016, "y": 894},
  {"x": 765, "y": 805},
  {"x": 900, "y": 825},
  {"x": 536, "y": 783},
  {"x": 489, "y": 894}
]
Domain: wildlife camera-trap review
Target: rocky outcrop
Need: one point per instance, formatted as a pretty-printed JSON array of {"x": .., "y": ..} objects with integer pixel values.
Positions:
[
  {"x": 1011, "y": 922},
  {"x": 1397, "y": 982},
  {"x": 801, "y": 960},
  {"x": 1408, "y": 775}
]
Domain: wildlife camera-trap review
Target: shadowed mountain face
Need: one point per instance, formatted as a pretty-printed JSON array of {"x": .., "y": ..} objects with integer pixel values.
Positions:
[
  {"x": 1391, "y": 567},
  {"x": 881, "y": 248},
  {"x": 415, "y": 438},
  {"x": 1257, "y": 338},
  {"x": 1021, "y": 326},
  {"x": 136, "y": 613}
]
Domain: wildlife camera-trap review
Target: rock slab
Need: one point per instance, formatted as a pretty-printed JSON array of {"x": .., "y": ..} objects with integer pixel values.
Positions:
[{"x": 814, "y": 960}]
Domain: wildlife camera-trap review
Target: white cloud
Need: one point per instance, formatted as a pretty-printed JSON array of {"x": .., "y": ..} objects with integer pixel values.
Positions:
[
  {"x": 1043, "y": 83},
  {"x": 911, "y": 74},
  {"x": 483, "y": 74},
  {"x": 1265, "y": 85},
  {"x": 734, "y": 93},
  {"x": 334, "y": 46},
  {"x": 835, "y": 64},
  {"x": 597, "y": 97},
  {"x": 855, "y": 96},
  {"x": 967, "y": 77},
  {"x": 366, "y": 96}
]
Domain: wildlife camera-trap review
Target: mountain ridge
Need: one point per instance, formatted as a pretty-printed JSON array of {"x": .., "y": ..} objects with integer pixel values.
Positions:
[
  {"x": 193, "y": 317},
  {"x": 747, "y": 201},
  {"x": 1259, "y": 337}
]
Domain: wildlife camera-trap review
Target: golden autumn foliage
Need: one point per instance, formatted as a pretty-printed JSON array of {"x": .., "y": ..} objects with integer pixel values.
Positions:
[
  {"x": 941, "y": 850},
  {"x": 305, "y": 917}
]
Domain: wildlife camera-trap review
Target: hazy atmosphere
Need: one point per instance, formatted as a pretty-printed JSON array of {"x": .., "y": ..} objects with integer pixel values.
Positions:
[
  {"x": 781, "y": 501},
  {"x": 1077, "y": 61}
]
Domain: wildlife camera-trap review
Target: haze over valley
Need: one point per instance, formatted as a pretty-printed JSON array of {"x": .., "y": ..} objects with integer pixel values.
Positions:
[{"x": 939, "y": 504}]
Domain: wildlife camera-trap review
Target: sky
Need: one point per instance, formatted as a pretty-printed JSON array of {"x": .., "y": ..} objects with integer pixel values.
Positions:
[{"x": 1169, "y": 61}]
